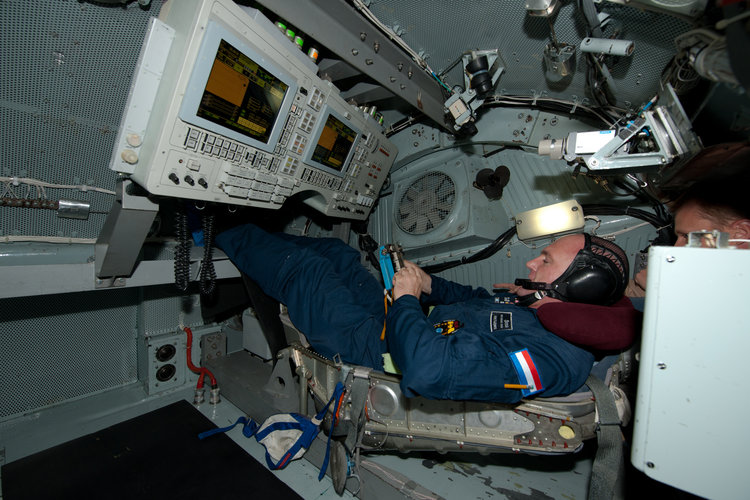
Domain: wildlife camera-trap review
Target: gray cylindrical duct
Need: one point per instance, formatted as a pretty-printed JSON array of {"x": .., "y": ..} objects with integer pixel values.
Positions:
[
  {"x": 607, "y": 46},
  {"x": 73, "y": 209},
  {"x": 554, "y": 148},
  {"x": 712, "y": 62}
]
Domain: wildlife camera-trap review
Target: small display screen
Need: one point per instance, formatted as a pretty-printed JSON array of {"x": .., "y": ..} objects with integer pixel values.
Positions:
[
  {"x": 334, "y": 144},
  {"x": 241, "y": 95}
]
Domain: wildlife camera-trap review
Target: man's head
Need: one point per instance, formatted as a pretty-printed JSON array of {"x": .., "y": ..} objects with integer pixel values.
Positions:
[
  {"x": 579, "y": 268},
  {"x": 713, "y": 205},
  {"x": 716, "y": 197}
]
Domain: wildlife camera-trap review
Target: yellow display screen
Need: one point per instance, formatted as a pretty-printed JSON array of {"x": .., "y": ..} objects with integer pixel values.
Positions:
[
  {"x": 241, "y": 95},
  {"x": 334, "y": 144}
]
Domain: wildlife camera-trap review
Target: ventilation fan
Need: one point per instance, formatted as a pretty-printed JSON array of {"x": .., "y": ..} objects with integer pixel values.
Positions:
[
  {"x": 437, "y": 210},
  {"x": 426, "y": 203}
]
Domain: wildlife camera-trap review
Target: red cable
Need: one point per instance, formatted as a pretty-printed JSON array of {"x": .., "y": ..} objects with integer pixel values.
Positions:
[{"x": 195, "y": 369}]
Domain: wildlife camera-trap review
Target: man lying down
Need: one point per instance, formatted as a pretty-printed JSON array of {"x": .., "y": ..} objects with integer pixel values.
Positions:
[{"x": 472, "y": 345}]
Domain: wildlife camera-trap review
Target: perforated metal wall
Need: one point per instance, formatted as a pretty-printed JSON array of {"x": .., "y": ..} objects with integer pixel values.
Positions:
[
  {"x": 66, "y": 70},
  {"x": 442, "y": 30},
  {"x": 55, "y": 348},
  {"x": 163, "y": 308}
]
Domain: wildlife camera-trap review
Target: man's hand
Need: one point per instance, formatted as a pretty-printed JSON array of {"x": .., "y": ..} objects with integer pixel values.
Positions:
[
  {"x": 411, "y": 280},
  {"x": 511, "y": 287},
  {"x": 637, "y": 286},
  {"x": 426, "y": 278},
  {"x": 641, "y": 277}
]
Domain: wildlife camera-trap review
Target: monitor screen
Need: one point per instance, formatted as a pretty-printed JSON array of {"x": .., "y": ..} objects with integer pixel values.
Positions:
[
  {"x": 241, "y": 94},
  {"x": 237, "y": 92},
  {"x": 334, "y": 145}
]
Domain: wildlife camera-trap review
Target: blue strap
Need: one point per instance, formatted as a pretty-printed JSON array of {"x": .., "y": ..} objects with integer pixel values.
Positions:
[
  {"x": 248, "y": 429},
  {"x": 337, "y": 392}
]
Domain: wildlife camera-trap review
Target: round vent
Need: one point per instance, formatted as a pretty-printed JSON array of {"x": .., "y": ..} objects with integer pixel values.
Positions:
[{"x": 426, "y": 203}]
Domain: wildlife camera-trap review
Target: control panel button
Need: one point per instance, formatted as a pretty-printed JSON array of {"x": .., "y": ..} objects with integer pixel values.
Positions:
[{"x": 129, "y": 156}]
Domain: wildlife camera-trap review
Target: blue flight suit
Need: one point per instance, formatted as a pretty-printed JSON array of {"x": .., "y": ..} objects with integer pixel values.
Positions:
[{"x": 338, "y": 305}]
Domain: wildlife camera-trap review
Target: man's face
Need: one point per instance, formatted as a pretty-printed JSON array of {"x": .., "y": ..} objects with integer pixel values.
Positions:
[
  {"x": 689, "y": 218},
  {"x": 554, "y": 260}
]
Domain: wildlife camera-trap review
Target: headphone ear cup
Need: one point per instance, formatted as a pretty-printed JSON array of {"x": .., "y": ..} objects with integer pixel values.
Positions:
[{"x": 591, "y": 285}]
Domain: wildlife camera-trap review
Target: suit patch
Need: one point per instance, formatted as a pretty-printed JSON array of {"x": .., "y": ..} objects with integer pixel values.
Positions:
[
  {"x": 528, "y": 374},
  {"x": 501, "y": 321},
  {"x": 447, "y": 327}
]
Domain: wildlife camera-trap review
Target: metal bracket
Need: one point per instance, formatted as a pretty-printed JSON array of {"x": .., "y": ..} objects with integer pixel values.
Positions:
[
  {"x": 462, "y": 106},
  {"x": 537, "y": 95},
  {"x": 122, "y": 236},
  {"x": 281, "y": 385},
  {"x": 109, "y": 282},
  {"x": 669, "y": 127},
  {"x": 339, "y": 27},
  {"x": 708, "y": 239}
]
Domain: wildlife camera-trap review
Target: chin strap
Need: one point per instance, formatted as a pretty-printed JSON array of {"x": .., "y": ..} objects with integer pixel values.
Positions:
[
  {"x": 527, "y": 300},
  {"x": 542, "y": 289}
]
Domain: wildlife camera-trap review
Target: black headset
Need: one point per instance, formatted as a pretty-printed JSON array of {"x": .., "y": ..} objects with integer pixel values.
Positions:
[{"x": 597, "y": 275}]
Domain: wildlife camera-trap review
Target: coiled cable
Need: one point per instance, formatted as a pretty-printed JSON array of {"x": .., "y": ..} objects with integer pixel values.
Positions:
[
  {"x": 182, "y": 253},
  {"x": 208, "y": 272}
]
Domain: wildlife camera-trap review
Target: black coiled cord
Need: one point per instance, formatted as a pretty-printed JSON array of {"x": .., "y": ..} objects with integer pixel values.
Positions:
[
  {"x": 182, "y": 253},
  {"x": 484, "y": 253},
  {"x": 208, "y": 272}
]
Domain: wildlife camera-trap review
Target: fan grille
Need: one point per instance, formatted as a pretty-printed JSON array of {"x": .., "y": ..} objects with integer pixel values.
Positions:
[{"x": 426, "y": 203}]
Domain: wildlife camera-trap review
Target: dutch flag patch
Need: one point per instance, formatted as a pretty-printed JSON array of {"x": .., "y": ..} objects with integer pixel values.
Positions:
[{"x": 527, "y": 372}]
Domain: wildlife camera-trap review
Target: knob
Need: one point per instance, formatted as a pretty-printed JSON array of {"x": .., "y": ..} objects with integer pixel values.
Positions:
[
  {"x": 129, "y": 156},
  {"x": 134, "y": 140}
]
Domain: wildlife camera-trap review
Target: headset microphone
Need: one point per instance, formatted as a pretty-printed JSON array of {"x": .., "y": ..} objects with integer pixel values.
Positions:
[{"x": 532, "y": 285}]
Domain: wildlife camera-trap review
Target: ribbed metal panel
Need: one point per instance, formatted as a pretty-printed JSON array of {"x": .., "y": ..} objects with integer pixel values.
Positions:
[{"x": 536, "y": 181}]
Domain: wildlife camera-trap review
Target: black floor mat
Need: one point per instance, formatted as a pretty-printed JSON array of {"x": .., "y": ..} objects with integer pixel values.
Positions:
[{"x": 156, "y": 455}]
